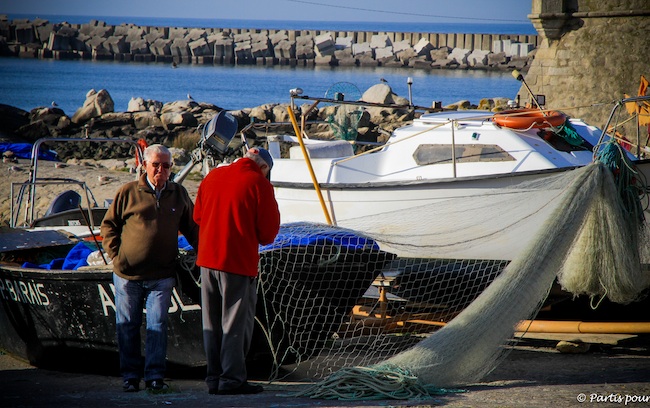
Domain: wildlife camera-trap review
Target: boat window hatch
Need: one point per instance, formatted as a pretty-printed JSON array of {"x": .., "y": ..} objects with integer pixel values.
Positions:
[{"x": 427, "y": 154}]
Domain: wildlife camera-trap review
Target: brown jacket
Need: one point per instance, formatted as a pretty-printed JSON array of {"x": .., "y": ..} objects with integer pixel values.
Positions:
[{"x": 140, "y": 233}]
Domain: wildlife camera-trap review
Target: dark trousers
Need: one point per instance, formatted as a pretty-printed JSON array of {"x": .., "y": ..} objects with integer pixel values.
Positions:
[{"x": 228, "y": 311}]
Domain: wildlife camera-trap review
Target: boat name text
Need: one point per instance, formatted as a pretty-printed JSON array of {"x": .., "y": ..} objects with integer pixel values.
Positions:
[
  {"x": 24, "y": 292},
  {"x": 107, "y": 298}
]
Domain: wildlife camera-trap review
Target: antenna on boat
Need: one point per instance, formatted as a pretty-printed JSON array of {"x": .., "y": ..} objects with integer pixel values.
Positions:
[
  {"x": 519, "y": 77},
  {"x": 409, "y": 82}
]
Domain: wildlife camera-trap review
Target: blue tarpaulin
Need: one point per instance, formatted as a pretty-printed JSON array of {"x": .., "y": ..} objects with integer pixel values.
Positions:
[
  {"x": 291, "y": 235},
  {"x": 24, "y": 151},
  {"x": 75, "y": 259},
  {"x": 303, "y": 234},
  {"x": 77, "y": 256}
]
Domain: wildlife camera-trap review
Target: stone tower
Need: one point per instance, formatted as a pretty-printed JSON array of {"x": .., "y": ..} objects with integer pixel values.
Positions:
[{"x": 590, "y": 52}]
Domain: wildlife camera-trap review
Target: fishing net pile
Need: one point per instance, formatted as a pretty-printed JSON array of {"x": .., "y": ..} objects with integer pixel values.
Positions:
[{"x": 339, "y": 303}]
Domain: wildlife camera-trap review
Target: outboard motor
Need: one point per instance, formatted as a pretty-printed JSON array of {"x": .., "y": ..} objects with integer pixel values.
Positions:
[
  {"x": 218, "y": 133},
  {"x": 215, "y": 138}
]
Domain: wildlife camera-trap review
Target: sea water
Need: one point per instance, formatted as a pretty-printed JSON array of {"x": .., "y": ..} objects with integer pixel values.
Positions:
[{"x": 30, "y": 83}]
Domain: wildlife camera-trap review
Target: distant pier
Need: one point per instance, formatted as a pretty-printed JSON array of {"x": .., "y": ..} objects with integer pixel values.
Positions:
[{"x": 97, "y": 40}]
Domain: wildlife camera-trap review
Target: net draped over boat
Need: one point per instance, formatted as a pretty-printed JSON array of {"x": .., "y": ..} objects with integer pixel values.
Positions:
[{"x": 333, "y": 298}]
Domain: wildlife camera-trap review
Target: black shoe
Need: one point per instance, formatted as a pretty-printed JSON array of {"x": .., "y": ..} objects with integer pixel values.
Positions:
[
  {"x": 213, "y": 391},
  {"x": 245, "y": 388},
  {"x": 157, "y": 385},
  {"x": 131, "y": 385}
]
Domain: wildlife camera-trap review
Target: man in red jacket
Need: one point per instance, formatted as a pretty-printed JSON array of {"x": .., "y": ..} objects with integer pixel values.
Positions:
[{"x": 236, "y": 212}]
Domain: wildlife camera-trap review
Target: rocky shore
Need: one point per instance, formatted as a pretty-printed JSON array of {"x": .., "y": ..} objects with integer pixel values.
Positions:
[
  {"x": 40, "y": 38},
  {"x": 177, "y": 123}
]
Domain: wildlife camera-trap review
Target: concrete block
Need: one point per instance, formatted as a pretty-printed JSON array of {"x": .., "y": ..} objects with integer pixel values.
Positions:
[
  {"x": 399, "y": 46},
  {"x": 285, "y": 49},
  {"x": 417, "y": 63},
  {"x": 200, "y": 47},
  {"x": 261, "y": 50},
  {"x": 325, "y": 60},
  {"x": 459, "y": 55},
  {"x": 161, "y": 47},
  {"x": 386, "y": 52},
  {"x": 117, "y": 45},
  {"x": 140, "y": 47},
  {"x": 361, "y": 49},
  {"x": 344, "y": 53},
  {"x": 179, "y": 48},
  {"x": 343, "y": 42},
  {"x": 279, "y": 36},
  {"x": 324, "y": 45},
  {"x": 477, "y": 58},
  {"x": 305, "y": 52},
  {"x": 380, "y": 41},
  {"x": 497, "y": 58},
  {"x": 423, "y": 47}
]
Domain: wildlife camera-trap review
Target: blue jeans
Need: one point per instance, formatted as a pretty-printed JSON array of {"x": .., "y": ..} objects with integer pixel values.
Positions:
[{"x": 131, "y": 297}]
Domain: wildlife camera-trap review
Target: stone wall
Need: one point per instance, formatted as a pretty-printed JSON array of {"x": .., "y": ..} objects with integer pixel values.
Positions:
[
  {"x": 127, "y": 42},
  {"x": 590, "y": 52}
]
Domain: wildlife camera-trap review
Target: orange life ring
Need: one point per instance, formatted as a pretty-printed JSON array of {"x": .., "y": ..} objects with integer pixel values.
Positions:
[{"x": 529, "y": 118}]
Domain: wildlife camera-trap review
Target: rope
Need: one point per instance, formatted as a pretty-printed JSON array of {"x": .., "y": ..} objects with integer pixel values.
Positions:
[
  {"x": 372, "y": 383},
  {"x": 187, "y": 261},
  {"x": 630, "y": 187},
  {"x": 568, "y": 132}
]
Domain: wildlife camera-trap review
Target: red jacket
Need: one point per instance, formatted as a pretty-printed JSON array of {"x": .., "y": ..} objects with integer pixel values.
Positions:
[{"x": 236, "y": 212}]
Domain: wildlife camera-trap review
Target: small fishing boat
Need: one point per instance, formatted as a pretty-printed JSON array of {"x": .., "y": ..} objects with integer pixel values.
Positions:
[
  {"x": 451, "y": 185},
  {"x": 57, "y": 309}
]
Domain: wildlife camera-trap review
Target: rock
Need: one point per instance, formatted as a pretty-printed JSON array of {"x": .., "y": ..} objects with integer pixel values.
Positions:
[
  {"x": 171, "y": 120},
  {"x": 179, "y": 106},
  {"x": 136, "y": 105},
  {"x": 33, "y": 131},
  {"x": 142, "y": 120},
  {"x": 281, "y": 113},
  {"x": 12, "y": 118},
  {"x": 460, "y": 105},
  {"x": 379, "y": 93},
  {"x": 572, "y": 347},
  {"x": 96, "y": 104}
]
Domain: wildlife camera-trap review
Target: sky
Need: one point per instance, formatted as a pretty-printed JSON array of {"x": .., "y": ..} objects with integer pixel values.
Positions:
[{"x": 436, "y": 11}]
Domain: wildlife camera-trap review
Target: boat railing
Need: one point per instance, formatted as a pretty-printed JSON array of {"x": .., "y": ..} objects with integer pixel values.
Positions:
[
  {"x": 637, "y": 103},
  {"x": 29, "y": 188},
  {"x": 17, "y": 197}
]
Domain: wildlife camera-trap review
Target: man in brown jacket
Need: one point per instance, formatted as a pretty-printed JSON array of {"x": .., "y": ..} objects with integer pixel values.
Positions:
[{"x": 140, "y": 234}]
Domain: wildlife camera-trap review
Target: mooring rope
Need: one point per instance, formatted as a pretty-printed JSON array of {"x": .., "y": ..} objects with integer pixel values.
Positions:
[{"x": 372, "y": 383}]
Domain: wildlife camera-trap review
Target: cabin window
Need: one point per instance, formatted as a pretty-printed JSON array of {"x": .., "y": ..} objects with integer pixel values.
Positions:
[{"x": 465, "y": 153}]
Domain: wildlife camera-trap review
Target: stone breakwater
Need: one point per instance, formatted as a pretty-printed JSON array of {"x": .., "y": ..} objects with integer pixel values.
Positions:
[{"x": 97, "y": 40}]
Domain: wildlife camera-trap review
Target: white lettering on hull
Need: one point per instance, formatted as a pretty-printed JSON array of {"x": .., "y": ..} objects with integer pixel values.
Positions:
[
  {"x": 108, "y": 301},
  {"x": 22, "y": 291}
]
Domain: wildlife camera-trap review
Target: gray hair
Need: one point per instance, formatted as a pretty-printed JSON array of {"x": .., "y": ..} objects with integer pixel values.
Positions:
[{"x": 156, "y": 148}]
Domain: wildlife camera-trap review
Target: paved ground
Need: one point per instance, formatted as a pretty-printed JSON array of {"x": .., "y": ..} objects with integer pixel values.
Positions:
[{"x": 533, "y": 375}]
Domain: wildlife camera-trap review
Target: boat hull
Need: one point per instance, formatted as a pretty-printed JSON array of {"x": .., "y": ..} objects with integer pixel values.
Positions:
[
  {"x": 46, "y": 313},
  {"x": 493, "y": 217},
  {"x": 427, "y": 215}
]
